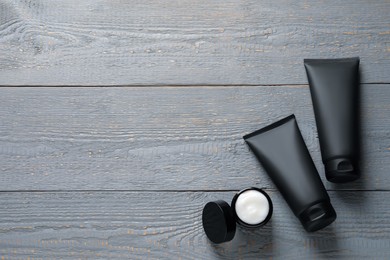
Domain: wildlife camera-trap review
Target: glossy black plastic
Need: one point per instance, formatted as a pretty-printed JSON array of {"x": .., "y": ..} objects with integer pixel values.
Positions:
[
  {"x": 334, "y": 88},
  {"x": 281, "y": 150}
]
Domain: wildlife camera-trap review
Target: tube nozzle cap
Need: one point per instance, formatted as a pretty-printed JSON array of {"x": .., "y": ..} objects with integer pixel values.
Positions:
[
  {"x": 318, "y": 216},
  {"x": 341, "y": 170}
]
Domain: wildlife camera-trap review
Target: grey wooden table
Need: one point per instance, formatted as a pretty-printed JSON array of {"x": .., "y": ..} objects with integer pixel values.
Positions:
[{"x": 121, "y": 119}]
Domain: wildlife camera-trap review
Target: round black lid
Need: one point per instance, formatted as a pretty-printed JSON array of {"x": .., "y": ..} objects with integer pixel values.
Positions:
[
  {"x": 318, "y": 216},
  {"x": 341, "y": 170},
  {"x": 218, "y": 221}
]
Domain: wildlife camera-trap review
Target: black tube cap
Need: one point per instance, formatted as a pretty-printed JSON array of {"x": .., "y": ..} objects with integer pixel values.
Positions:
[
  {"x": 318, "y": 216},
  {"x": 341, "y": 170},
  {"x": 218, "y": 221}
]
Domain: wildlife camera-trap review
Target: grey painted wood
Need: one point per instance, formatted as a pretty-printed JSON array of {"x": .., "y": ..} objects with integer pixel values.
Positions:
[
  {"x": 166, "y": 151},
  {"x": 72, "y": 42},
  {"x": 167, "y": 225},
  {"x": 164, "y": 138}
]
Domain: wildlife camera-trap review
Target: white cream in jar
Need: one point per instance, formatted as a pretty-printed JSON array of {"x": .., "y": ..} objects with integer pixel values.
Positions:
[{"x": 252, "y": 207}]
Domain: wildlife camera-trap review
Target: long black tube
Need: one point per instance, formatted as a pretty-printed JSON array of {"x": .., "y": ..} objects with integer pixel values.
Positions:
[
  {"x": 281, "y": 150},
  {"x": 334, "y": 88}
]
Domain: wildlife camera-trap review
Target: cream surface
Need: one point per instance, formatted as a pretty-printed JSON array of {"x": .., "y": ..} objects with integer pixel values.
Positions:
[{"x": 252, "y": 207}]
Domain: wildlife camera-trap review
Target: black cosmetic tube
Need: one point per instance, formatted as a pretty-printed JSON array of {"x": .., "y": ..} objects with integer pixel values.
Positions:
[
  {"x": 334, "y": 88},
  {"x": 282, "y": 152}
]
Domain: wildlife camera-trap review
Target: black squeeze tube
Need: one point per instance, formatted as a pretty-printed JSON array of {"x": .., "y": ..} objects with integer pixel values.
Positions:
[
  {"x": 334, "y": 88},
  {"x": 282, "y": 152}
]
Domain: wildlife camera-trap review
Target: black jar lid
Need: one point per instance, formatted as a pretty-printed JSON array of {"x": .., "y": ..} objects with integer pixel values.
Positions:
[{"x": 218, "y": 221}]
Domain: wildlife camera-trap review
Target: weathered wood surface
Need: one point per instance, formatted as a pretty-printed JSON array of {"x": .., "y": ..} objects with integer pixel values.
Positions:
[
  {"x": 89, "y": 42},
  {"x": 163, "y": 152},
  {"x": 167, "y": 225},
  {"x": 164, "y": 138}
]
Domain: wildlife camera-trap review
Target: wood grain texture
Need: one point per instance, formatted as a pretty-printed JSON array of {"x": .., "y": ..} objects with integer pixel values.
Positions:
[
  {"x": 167, "y": 225},
  {"x": 105, "y": 42},
  {"x": 164, "y": 138}
]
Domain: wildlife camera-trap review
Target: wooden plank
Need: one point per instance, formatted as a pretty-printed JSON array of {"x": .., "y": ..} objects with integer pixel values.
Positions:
[
  {"x": 164, "y": 138},
  {"x": 167, "y": 225},
  {"x": 56, "y": 42}
]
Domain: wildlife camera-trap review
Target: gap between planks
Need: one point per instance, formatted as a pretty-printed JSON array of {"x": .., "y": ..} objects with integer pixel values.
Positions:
[
  {"x": 170, "y": 191},
  {"x": 162, "y": 85}
]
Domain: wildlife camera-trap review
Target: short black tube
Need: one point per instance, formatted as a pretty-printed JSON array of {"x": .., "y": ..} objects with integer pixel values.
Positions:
[
  {"x": 334, "y": 88},
  {"x": 282, "y": 152}
]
